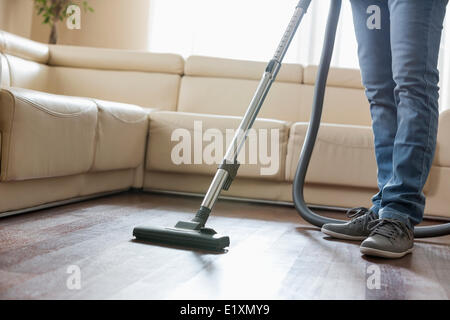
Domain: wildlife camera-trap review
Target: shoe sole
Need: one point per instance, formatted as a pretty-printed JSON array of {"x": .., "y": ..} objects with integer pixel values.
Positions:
[
  {"x": 342, "y": 235},
  {"x": 384, "y": 254}
]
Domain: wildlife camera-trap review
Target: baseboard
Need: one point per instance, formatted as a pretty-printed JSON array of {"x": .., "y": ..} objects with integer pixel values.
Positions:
[
  {"x": 60, "y": 203},
  {"x": 273, "y": 202},
  {"x": 242, "y": 199}
]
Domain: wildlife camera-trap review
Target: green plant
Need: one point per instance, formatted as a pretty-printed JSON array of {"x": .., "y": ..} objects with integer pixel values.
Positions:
[{"x": 54, "y": 11}]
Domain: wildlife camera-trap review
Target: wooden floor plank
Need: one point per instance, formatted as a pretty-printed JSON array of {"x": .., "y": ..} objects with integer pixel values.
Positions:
[{"x": 274, "y": 254}]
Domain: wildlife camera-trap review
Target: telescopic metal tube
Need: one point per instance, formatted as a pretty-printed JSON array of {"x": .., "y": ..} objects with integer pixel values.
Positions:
[{"x": 255, "y": 105}]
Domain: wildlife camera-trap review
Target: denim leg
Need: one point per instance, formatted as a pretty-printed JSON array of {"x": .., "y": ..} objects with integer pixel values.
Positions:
[
  {"x": 416, "y": 27},
  {"x": 374, "y": 54}
]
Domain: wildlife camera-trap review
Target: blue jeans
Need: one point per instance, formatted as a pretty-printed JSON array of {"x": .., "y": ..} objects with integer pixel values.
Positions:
[{"x": 398, "y": 55}]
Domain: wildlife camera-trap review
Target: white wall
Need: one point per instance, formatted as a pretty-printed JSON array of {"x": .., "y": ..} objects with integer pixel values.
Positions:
[
  {"x": 15, "y": 16},
  {"x": 121, "y": 24}
]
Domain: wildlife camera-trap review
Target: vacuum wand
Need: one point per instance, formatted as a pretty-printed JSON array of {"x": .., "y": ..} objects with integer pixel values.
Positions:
[
  {"x": 194, "y": 233},
  {"x": 228, "y": 169}
]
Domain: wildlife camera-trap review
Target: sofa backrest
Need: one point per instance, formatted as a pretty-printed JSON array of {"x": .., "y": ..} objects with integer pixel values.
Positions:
[
  {"x": 24, "y": 62},
  {"x": 164, "y": 81},
  {"x": 226, "y": 86},
  {"x": 345, "y": 101},
  {"x": 146, "y": 79}
]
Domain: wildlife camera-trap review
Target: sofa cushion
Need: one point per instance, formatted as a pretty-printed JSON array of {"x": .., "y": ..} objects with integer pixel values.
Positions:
[
  {"x": 121, "y": 136},
  {"x": 345, "y": 101},
  {"x": 264, "y": 155},
  {"x": 231, "y": 97},
  {"x": 146, "y": 89},
  {"x": 337, "y": 77},
  {"x": 45, "y": 135},
  {"x": 341, "y": 106},
  {"x": 442, "y": 157},
  {"x": 4, "y": 72},
  {"x": 343, "y": 155},
  {"x": 28, "y": 74},
  {"x": 226, "y": 87},
  {"x": 113, "y": 59},
  {"x": 199, "y": 66}
]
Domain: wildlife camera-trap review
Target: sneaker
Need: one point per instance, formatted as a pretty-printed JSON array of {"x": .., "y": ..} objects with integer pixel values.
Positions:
[
  {"x": 356, "y": 229},
  {"x": 389, "y": 238}
]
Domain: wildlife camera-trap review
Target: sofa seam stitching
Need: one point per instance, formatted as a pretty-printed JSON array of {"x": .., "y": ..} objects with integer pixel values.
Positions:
[
  {"x": 9, "y": 68},
  {"x": 11, "y": 134},
  {"x": 96, "y": 137},
  {"x": 116, "y": 117},
  {"x": 50, "y": 112}
]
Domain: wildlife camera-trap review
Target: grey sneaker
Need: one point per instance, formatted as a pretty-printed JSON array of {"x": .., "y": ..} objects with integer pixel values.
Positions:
[
  {"x": 389, "y": 238},
  {"x": 356, "y": 229}
]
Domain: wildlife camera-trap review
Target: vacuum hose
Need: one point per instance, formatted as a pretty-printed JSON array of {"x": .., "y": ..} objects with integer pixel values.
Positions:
[{"x": 311, "y": 135}]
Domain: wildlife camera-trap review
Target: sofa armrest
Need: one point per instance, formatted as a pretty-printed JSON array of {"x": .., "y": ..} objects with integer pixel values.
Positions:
[
  {"x": 45, "y": 135},
  {"x": 23, "y": 48},
  {"x": 442, "y": 157}
]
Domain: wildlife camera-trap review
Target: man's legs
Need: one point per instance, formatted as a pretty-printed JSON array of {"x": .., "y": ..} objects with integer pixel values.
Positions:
[
  {"x": 398, "y": 60},
  {"x": 374, "y": 53},
  {"x": 415, "y": 30},
  {"x": 416, "y": 27}
]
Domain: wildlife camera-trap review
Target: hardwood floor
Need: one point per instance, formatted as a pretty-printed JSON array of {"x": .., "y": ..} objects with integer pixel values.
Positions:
[{"x": 273, "y": 255}]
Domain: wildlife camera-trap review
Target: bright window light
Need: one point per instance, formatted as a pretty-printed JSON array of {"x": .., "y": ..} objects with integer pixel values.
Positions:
[{"x": 249, "y": 30}]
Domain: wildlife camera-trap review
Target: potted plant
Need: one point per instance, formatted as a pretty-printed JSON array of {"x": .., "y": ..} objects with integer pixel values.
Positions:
[{"x": 54, "y": 11}]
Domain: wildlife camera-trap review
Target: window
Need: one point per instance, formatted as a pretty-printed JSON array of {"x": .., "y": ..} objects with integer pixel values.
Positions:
[{"x": 251, "y": 30}]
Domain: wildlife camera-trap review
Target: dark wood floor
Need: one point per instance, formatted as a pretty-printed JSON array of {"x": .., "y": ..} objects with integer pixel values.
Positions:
[{"x": 273, "y": 255}]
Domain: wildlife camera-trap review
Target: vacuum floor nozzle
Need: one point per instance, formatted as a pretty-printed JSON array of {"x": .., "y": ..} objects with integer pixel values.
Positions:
[{"x": 204, "y": 238}]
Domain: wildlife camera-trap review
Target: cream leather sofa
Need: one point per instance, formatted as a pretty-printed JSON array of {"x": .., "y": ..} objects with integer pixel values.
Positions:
[{"x": 80, "y": 122}]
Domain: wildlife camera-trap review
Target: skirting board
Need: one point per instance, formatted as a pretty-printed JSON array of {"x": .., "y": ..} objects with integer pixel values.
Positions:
[
  {"x": 158, "y": 191},
  {"x": 282, "y": 203},
  {"x": 59, "y": 203}
]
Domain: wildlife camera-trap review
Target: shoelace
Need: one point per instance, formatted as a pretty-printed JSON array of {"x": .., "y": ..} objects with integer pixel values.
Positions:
[
  {"x": 389, "y": 228},
  {"x": 357, "y": 212}
]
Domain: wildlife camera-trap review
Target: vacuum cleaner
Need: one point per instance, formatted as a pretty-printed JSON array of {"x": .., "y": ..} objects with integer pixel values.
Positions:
[{"x": 194, "y": 233}]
